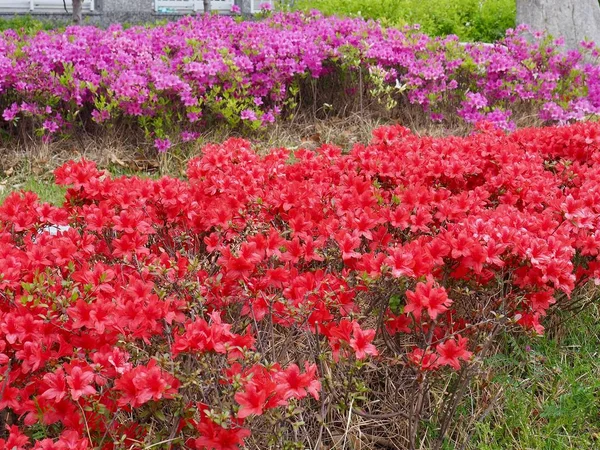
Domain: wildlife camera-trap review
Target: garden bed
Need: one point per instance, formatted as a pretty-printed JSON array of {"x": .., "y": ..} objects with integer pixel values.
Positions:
[
  {"x": 268, "y": 300},
  {"x": 171, "y": 83}
]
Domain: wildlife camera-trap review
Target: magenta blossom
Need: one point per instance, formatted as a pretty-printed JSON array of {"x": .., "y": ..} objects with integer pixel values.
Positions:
[
  {"x": 162, "y": 145},
  {"x": 248, "y": 114}
]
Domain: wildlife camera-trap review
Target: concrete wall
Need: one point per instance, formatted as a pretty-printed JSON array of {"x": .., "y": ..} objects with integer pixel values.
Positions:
[
  {"x": 119, "y": 6},
  {"x": 103, "y": 19},
  {"x": 107, "y": 12},
  {"x": 127, "y": 11}
]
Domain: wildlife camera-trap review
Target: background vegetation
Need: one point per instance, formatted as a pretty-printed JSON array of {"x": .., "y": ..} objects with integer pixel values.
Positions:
[
  {"x": 470, "y": 20},
  {"x": 25, "y": 24}
]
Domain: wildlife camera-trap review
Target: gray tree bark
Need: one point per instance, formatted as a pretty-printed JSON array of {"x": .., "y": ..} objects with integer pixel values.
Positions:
[
  {"x": 573, "y": 20},
  {"x": 77, "y": 11},
  {"x": 207, "y": 6}
]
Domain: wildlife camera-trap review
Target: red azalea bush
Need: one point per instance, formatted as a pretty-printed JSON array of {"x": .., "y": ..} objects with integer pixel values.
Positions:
[{"x": 267, "y": 300}]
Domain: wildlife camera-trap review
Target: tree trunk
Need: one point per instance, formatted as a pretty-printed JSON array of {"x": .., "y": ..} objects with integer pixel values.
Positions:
[
  {"x": 573, "y": 20},
  {"x": 77, "y": 11},
  {"x": 245, "y": 6},
  {"x": 241, "y": 5},
  {"x": 207, "y": 6}
]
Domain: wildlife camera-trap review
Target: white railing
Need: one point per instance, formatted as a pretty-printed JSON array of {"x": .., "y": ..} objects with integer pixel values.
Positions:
[
  {"x": 44, "y": 6},
  {"x": 160, "y": 6},
  {"x": 184, "y": 6}
]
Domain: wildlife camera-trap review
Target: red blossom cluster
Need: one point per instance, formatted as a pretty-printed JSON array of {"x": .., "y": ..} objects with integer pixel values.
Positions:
[{"x": 196, "y": 307}]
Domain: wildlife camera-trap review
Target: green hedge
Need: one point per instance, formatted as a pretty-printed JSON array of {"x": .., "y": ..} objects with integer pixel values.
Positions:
[
  {"x": 25, "y": 24},
  {"x": 471, "y": 20}
]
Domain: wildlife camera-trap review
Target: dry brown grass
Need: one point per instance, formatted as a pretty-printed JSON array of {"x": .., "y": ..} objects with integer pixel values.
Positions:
[
  {"x": 121, "y": 148},
  {"x": 314, "y": 121}
]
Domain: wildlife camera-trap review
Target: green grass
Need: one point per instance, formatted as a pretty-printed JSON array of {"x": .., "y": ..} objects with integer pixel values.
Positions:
[
  {"x": 25, "y": 24},
  {"x": 45, "y": 189},
  {"x": 551, "y": 395}
]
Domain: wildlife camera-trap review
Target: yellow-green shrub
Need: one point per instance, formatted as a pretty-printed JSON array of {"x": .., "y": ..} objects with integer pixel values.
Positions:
[{"x": 471, "y": 20}]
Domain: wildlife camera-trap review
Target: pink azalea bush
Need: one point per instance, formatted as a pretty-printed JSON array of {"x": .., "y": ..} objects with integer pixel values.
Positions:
[
  {"x": 200, "y": 71},
  {"x": 264, "y": 298}
]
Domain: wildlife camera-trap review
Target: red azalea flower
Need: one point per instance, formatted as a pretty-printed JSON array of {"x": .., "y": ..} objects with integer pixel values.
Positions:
[
  {"x": 451, "y": 351},
  {"x": 79, "y": 382}
]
